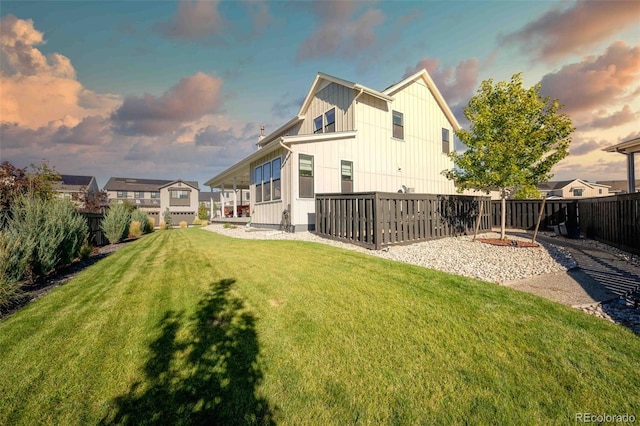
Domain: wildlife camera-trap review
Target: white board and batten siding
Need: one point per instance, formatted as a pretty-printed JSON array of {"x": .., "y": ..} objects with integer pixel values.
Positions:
[{"x": 333, "y": 95}]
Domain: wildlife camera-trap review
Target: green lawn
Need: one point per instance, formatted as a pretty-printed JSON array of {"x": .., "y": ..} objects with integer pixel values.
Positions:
[{"x": 190, "y": 327}]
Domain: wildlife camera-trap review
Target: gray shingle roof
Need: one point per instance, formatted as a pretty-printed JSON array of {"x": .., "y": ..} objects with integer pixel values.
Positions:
[{"x": 135, "y": 184}]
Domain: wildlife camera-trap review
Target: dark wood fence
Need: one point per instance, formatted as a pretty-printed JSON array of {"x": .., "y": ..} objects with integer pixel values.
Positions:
[
  {"x": 523, "y": 214},
  {"x": 96, "y": 236},
  {"x": 612, "y": 220},
  {"x": 379, "y": 219}
]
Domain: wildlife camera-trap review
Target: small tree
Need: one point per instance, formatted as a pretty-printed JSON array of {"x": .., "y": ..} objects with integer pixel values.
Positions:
[
  {"x": 203, "y": 212},
  {"x": 516, "y": 136},
  {"x": 167, "y": 218},
  {"x": 94, "y": 201},
  {"x": 116, "y": 223},
  {"x": 527, "y": 193}
]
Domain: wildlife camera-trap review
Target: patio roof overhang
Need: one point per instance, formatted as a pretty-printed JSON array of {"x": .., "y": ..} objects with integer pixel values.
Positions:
[
  {"x": 240, "y": 171},
  {"x": 629, "y": 148}
]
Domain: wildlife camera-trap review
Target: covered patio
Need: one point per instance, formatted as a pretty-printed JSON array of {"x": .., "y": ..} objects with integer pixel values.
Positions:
[
  {"x": 235, "y": 178},
  {"x": 628, "y": 148}
]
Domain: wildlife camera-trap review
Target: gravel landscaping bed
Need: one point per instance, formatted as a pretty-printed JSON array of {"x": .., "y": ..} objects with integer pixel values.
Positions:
[{"x": 456, "y": 255}]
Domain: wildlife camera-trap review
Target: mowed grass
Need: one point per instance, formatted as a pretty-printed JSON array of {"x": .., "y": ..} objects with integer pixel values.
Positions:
[{"x": 190, "y": 327}]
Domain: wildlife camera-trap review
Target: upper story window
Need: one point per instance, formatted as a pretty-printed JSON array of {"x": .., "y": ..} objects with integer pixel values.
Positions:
[
  {"x": 138, "y": 194},
  {"x": 398, "y": 125},
  {"x": 305, "y": 175},
  {"x": 155, "y": 194},
  {"x": 325, "y": 123},
  {"x": 179, "y": 197},
  {"x": 445, "y": 140},
  {"x": 122, "y": 194},
  {"x": 577, "y": 192},
  {"x": 317, "y": 125},
  {"x": 179, "y": 194}
]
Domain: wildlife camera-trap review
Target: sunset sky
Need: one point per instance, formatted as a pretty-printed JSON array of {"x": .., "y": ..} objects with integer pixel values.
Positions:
[{"x": 172, "y": 90}]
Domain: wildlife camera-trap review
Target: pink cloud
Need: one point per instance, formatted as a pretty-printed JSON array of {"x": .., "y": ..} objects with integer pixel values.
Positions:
[
  {"x": 625, "y": 115},
  {"x": 457, "y": 84},
  {"x": 558, "y": 32},
  {"x": 38, "y": 89},
  {"x": 578, "y": 147},
  {"x": 339, "y": 32},
  {"x": 595, "y": 82},
  {"x": 189, "y": 100},
  {"x": 193, "y": 20}
]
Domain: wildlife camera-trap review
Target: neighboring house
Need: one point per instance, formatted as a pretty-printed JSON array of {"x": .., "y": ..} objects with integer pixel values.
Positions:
[
  {"x": 629, "y": 148},
  {"x": 74, "y": 187},
  {"x": 576, "y": 188},
  {"x": 154, "y": 196},
  {"x": 619, "y": 186},
  {"x": 348, "y": 138}
]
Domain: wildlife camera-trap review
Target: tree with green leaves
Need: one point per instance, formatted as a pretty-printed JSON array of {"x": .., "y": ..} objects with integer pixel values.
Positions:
[
  {"x": 203, "y": 212},
  {"x": 515, "y": 137}
]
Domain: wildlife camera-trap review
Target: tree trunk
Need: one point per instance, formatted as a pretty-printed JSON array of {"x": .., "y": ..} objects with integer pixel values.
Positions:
[{"x": 503, "y": 214}]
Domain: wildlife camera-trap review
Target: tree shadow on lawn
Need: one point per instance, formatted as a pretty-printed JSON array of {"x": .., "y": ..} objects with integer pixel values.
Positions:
[{"x": 209, "y": 376}]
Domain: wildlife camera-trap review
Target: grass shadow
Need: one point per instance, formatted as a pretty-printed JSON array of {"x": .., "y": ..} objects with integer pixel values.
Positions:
[{"x": 206, "y": 375}]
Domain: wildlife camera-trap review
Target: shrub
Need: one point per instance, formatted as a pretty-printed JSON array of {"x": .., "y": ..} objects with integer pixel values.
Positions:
[
  {"x": 183, "y": 224},
  {"x": 163, "y": 224},
  {"x": 12, "y": 265},
  {"x": 135, "y": 229},
  {"x": 116, "y": 223},
  {"x": 167, "y": 218},
  {"x": 227, "y": 225},
  {"x": 203, "y": 212},
  {"x": 142, "y": 218},
  {"x": 152, "y": 223},
  {"x": 85, "y": 250}
]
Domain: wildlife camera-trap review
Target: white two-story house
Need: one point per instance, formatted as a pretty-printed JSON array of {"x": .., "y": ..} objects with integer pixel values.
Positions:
[{"x": 348, "y": 138}]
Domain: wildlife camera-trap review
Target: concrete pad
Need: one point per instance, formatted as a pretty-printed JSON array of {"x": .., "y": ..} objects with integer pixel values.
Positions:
[{"x": 572, "y": 288}]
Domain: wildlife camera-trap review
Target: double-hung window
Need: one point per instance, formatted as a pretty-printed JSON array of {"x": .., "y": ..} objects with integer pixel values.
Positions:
[
  {"x": 577, "y": 192},
  {"x": 258, "y": 181},
  {"x": 155, "y": 194},
  {"x": 123, "y": 194},
  {"x": 276, "y": 164},
  {"x": 346, "y": 176},
  {"x": 138, "y": 194},
  {"x": 267, "y": 181},
  {"x": 398, "y": 125},
  {"x": 445, "y": 141},
  {"x": 305, "y": 175}
]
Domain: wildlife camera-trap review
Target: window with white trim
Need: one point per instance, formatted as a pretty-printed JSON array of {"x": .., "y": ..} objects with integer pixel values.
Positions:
[
  {"x": 346, "y": 176},
  {"x": 577, "y": 192},
  {"x": 123, "y": 194},
  {"x": 445, "y": 140},
  {"x": 398, "y": 125},
  {"x": 276, "y": 187},
  {"x": 305, "y": 176},
  {"x": 330, "y": 121},
  {"x": 267, "y": 181},
  {"x": 317, "y": 125}
]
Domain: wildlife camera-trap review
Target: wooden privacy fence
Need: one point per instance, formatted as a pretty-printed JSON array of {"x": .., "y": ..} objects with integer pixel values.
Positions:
[
  {"x": 612, "y": 220},
  {"x": 523, "y": 214},
  {"x": 96, "y": 236},
  {"x": 378, "y": 219}
]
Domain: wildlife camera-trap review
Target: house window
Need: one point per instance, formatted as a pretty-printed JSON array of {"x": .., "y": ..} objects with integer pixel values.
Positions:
[
  {"x": 138, "y": 194},
  {"x": 266, "y": 179},
  {"x": 317, "y": 125},
  {"x": 305, "y": 174},
  {"x": 600, "y": 191},
  {"x": 445, "y": 141},
  {"x": 155, "y": 194},
  {"x": 346, "y": 176},
  {"x": 179, "y": 197},
  {"x": 398, "y": 125},
  {"x": 276, "y": 165},
  {"x": 330, "y": 121},
  {"x": 577, "y": 192},
  {"x": 122, "y": 194},
  {"x": 258, "y": 184}
]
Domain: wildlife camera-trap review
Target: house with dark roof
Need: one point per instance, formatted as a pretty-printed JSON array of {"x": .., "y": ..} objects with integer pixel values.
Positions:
[
  {"x": 571, "y": 189},
  {"x": 74, "y": 187},
  {"x": 619, "y": 186},
  {"x": 154, "y": 196}
]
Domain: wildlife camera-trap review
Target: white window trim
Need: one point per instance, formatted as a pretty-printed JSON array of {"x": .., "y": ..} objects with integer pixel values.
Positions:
[{"x": 261, "y": 165}]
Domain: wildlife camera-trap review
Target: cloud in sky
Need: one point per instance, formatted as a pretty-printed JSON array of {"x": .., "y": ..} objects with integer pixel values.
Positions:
[
  {"x": 457, "y": 84},
  {"x": 193, "y": 20},
  {"x": 190, "y": 99},
  {"x": 596, "y": 81},
  {"x": 579, "y": 147},
  {"x": 559, "y": 33},
  {"x": 602, "y": 121},
  {"x": 339, "y": 32},
  {"x": 38, "y": 89}
]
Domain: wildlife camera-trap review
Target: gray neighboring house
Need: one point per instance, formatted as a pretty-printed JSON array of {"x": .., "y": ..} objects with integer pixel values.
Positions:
[
  {"x": 619, "y": 186},
  {"x": 575, "y": 188},
  {"x": 154, "y": 196},
  {"x": 73, "y": 187}
]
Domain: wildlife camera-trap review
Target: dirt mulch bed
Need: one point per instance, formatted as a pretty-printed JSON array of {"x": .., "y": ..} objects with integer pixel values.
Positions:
[
  {"x": 32, "y": 292},
  {"x": 509, "y": 243}
]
